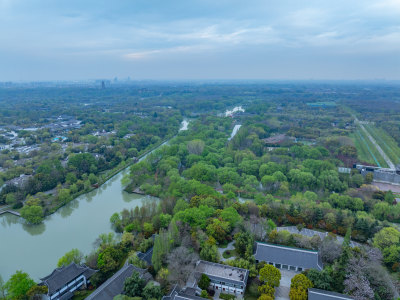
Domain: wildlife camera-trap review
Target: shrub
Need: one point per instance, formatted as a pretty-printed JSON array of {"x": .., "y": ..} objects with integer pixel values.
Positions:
[{"x": 226, "y": 296}]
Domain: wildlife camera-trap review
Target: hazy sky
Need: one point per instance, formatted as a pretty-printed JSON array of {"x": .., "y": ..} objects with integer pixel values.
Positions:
[{"x": 199, "y": 39}]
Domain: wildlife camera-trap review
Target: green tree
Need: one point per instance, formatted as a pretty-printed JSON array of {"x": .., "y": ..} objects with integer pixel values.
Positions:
[
  {"x": 64, "y": 195},
  {"x": 368, "y": 178},
  {"x": 33, "y": 214},
  {"x": 204, "y": 282},
  {"x": 10, "y": 199},
  {"x": 74, "y": 255},
  {"x": 320, "y": 279},
  {"x": 218, "y": 229},
  {"x": 243, "y": 240},
  {"x": 18, "y": 285},
  {"x": 36, "y": 292},
  {"x": 298, "y": 294},
  {"x": 266, "y": 289},
  {"x": 133, "y": 286},
  {"x": 209, "y": 252},
  {"x": 265, "y": 297},
  {"x": 109, "y": 260},
  {"x": 389, "y": 197},
  {"x": 2, "y": 289},
  {"x": 204, "y": 294},
  {"x": 385, "y": 238},
  {"x": 270, "y": 275},
  {"x": 152, "y": 291},
  {"x": 165, "y": 219},
  {"x": 391, "y": 255},
  {"x": 301, "y": 281},
  {"x": 231, "y": 216}
]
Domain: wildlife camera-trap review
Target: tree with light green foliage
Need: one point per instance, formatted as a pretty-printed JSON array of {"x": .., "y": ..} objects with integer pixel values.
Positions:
[
  {"x": 270, "y": 275},
  {"x": 204, "y": 294},
  {"x": 73, "y": 256},
  {"x": 387, "y": 237},
  {"x": 18, "y": 285},
  {"x": 33, "y": 214}
]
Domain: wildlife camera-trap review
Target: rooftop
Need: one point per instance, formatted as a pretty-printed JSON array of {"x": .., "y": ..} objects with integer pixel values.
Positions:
[
  {"x": 307, "y": 259},
  {"x": 222, "y": 271},
  {"x": 115, "y": 285},
  {"x": 317, "y": 294},
  {"x": 61, "y": 276}
]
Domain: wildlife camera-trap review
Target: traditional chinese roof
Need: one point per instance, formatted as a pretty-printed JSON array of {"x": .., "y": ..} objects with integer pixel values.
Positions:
[
  {"x": 62, "y": 276},
  {"x": 115, "y": 285},
  {"x": 146, "y": 256},
  {"x": 307, "y": 259}
]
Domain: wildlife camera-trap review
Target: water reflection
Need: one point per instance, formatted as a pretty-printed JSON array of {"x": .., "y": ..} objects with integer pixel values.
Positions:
[
  {"x": 76, "y": 225},
  {"x": 67, "y": 209},
  {"x": 34, "y": 229},
  {"x": 9, "y": 219}
]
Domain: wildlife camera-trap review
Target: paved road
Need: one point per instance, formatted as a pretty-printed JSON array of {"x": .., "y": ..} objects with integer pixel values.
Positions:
[
  {"x": 282, "y": 291},
  {"x": 373, "y": 141}
]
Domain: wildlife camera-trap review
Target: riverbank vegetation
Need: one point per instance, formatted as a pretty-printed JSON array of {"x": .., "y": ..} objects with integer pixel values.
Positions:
[{"x": 280, "y": 169}]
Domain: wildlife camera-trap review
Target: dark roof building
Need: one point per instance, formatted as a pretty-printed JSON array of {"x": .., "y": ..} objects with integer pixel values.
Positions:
[
  {"x": 182, "y": 294},
  {"x": 115, "y": 285},
  {"x": 289, "y": 258},
  {"x": 317, "y": 294},
  {"x": 62, "y": 282},
  {"x": 146, "y": 256}
]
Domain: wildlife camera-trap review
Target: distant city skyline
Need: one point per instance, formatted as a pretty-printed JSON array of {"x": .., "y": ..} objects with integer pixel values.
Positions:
[{"x": 48, "y": 40}]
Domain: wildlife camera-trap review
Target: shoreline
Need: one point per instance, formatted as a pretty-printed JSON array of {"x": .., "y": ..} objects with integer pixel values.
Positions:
[{"x": 108, "y": 177}]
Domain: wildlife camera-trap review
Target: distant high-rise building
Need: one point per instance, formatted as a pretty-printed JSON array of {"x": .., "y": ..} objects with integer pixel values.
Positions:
[{"x": 103, "y": 85}]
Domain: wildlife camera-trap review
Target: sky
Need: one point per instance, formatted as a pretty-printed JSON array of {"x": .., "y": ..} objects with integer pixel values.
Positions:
[{"x": 199, "y": 39}]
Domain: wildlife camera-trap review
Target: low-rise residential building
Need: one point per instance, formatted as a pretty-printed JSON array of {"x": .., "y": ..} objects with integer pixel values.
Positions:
[
  {"x": 62, "y": 282},
  {"x": 317, "y": 294},
  {"x": 288, "y": 258},
  {"x": 224, "y": 278},
  {"x": 115, "y": 285}
]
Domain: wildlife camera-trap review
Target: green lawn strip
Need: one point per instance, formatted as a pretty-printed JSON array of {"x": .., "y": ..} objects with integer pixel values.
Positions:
[
  {"x": 366, "y": 152},
  {"x": 386, "y": 142},
  {"x": 362, "y": 151},
  {"x": 378, "y": 157}
]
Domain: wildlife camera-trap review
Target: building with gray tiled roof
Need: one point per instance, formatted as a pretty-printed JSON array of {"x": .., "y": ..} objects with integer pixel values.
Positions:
[
  {"x": 223, "y": 278},
  {"x": 317, "y": 294},
  {"x": 146, "y": 256},
  {"x": 62, "y": 282},
  {"x": 288, "y": 258},
  {"x": 115, "y": 285},
  {"x": 182, "y": 294}
]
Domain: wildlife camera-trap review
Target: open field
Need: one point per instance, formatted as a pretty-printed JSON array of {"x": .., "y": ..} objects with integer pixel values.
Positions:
[
  {"x": 386, "y": 142},
  {"x": 367, "y": 152}
]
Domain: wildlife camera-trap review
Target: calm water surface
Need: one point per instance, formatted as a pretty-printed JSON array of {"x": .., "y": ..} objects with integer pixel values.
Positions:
[{"x": 36, "y": 249}]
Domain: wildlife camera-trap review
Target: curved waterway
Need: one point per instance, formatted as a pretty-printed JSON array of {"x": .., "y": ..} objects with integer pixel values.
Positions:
[{"x": 35, "y": 249}]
